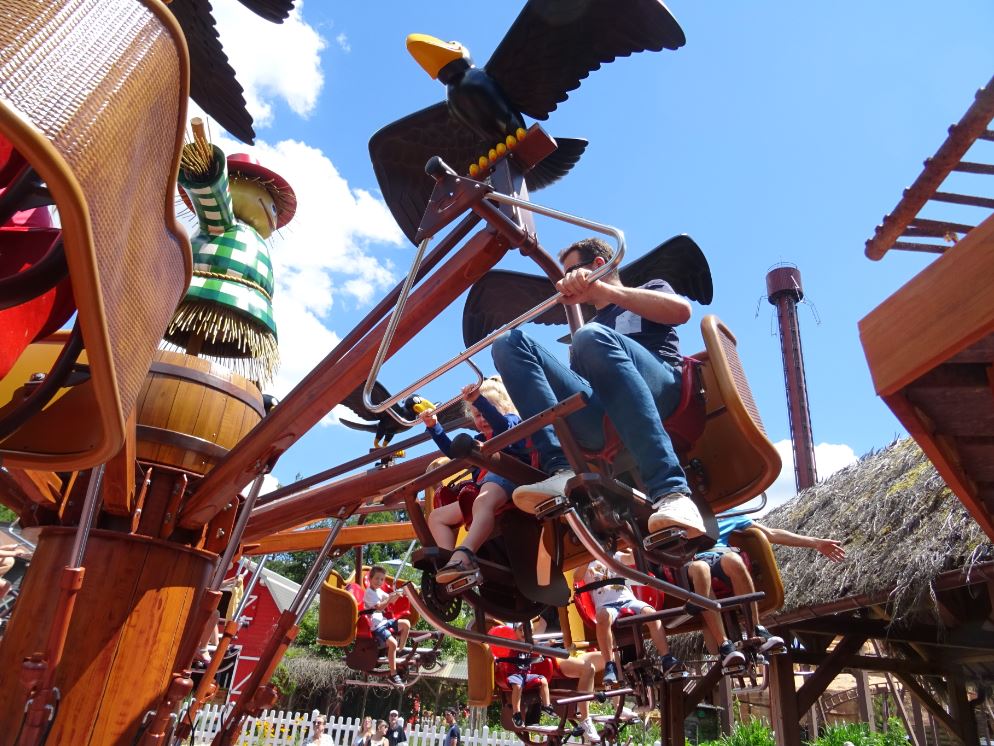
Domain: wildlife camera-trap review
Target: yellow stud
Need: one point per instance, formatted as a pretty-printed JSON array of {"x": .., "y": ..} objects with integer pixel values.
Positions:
[
  {"x": 511, "y": 141},
  {"x": 501, "y": 148},
  {"x": 492, "y": 155},
  {"x": 473, "y": 170},
  {"x": 483, "y": 161},
  {"x": 521, "y": 133}
]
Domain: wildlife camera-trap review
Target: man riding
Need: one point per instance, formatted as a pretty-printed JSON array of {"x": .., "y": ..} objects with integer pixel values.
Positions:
[{"x": 627, "y": 359}]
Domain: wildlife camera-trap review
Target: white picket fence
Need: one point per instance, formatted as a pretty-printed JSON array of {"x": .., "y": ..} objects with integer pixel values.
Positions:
[{"x": 279, "y": 728}]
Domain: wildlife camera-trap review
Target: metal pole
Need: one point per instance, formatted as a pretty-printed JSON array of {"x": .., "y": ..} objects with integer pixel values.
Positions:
[
  {"x": 305, "y": 594},
  {"x": 256, "y": 574},
  {"x": 91, "y": 505},
  {"x": 236, "y": 533}
]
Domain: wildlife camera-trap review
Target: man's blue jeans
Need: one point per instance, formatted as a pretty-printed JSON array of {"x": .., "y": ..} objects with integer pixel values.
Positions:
[{"x": 636, "y": 388}]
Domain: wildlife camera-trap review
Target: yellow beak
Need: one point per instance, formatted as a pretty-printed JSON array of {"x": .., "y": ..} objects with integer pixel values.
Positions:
[{"x": 433, "y": 54}]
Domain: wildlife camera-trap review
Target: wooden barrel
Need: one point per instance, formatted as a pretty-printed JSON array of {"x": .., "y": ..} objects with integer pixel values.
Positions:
[
  {"x": 191, "y": 412},
  {"x": 136, "y": 602}
]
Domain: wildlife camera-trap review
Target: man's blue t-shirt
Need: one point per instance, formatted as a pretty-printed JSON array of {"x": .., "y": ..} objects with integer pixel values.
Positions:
[
  {"x": 727, "y": 526},
  {"x": 661, "y": 339}
]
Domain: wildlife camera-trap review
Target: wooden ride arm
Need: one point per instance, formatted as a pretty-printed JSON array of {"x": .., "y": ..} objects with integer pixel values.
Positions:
[
  {"x": 350, "y": 536},
  {"x": 328, "y": 499}
]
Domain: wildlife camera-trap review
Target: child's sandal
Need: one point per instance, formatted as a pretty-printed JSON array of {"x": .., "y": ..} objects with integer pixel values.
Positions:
[{"x": 458, "y": 568}]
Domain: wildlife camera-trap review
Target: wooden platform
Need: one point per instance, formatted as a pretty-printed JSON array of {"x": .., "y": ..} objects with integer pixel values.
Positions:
[{"x": 930, "y": 349}]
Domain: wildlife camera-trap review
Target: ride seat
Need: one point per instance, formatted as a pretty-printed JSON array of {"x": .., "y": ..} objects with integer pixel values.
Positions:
[
  {"x": 757, "y": 553},
  {"x": 504, "y": 668},
  {"x": 99, "y": 117},
  {"x": 338, "y": 612},
  {"x": 684, "y": 425}
]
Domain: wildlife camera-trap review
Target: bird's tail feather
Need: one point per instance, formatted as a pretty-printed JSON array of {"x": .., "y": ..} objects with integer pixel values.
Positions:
[{"x": 556, "y": 165}]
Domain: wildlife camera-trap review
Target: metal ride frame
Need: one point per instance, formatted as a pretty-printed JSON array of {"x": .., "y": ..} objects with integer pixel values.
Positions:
[{"x": 359, "y": 356}]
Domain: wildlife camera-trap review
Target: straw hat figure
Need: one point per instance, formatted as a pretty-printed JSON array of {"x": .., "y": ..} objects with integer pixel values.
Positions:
[{"x": 227, "y": 314}]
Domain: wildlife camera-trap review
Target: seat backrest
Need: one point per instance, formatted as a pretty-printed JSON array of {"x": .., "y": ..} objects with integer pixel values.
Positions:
[
  {"x": 480, "y": 674},
  {"x": 100, "y": 118},
  {"x": 338, "y": 612},
  {"x": 763, "y": 567},
  {"x": 737, "y": 459}
]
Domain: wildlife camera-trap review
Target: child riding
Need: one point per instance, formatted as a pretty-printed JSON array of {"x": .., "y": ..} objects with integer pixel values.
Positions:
[
  {"x": 384, "y": 629},
  {"x": 493, "y": 413}
]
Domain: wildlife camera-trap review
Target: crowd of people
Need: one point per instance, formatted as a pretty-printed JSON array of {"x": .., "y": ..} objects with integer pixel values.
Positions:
[{"x": 388, "y": 732}]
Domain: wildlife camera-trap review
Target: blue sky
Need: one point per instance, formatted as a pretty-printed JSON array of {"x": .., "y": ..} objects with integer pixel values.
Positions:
[{"x": 781, "y": 132}]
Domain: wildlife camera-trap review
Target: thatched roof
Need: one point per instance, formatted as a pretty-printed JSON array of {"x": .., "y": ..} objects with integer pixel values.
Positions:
[{"x": 900, "y": 524}]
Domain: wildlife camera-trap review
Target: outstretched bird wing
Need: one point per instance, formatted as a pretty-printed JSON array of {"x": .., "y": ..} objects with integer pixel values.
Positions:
[
  {"x": 680, "y": 262},
  {"x": 501, "y": 296},
  {"x": 212, "y": 79},
  {"x": 354, "y": 401},
  {"x": 555, "y": 44},
  {"x": 400, "y": 151},
  {"x": 276, "y": 11}
]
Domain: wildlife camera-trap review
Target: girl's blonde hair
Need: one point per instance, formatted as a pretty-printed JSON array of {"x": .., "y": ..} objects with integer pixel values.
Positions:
[{"x": 493, "y": 389}]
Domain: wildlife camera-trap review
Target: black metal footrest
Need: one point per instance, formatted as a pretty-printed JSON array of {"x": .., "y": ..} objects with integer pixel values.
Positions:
[
  {"x": 552, "y": 507},
  {"x": 664, "y": 540}
]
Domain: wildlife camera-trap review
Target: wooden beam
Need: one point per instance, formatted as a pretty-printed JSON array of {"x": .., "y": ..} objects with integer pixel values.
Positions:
[
  {"x": 313, "y": 539},
  {"x": 674, "y": 712},
  {"x": 971, "y": 638},
  {"x": 936, "y": 710},
  {"x": 874, "y": 663},
  {"x": 826, "y": 672},
  {"x": 726, "y": 718},
  {"x": 784, "y": 712}
]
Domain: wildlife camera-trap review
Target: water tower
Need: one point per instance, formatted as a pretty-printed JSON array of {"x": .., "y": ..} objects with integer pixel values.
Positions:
[{"x": 784, "y": 290}]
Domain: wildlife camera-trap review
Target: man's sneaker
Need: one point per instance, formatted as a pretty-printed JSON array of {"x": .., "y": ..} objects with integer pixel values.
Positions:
[
  {"x": 396, "y": 680},
  {"x": 590, "y": 734},
  {"x": 770, "y": 640},
  {"x": 675, "y": 509},
  {"x": 549, "y": 710},
  {"x": 517, "y": 720},
  {"x": 528, "y": 497},
  {"x": 610, "y": 674},
  {"x": 731, "y": 659}
]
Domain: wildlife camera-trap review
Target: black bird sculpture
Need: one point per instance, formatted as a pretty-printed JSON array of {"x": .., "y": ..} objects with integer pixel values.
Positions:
[
  {"x": 549, "y": 49},
  {"x": 212, "y": 79},
  {"x": 501, "y": 296},
  {"x": 385, "y": 426}
]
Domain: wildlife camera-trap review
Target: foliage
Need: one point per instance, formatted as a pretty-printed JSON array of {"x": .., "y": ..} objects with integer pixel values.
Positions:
[
  {"x": 7, "y": 515},
  {"x": 859, "y": 734},
  {"x": 751, "y": 732}
]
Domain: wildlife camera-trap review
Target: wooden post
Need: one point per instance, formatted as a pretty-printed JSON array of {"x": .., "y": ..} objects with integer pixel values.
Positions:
[
  {"x": 672, "y": 711},
  {"x": 783, "y": 701},
  {"x": 919, "y": 722},
  {"x": 813, "y": 722},
  {"x": 726, "y": 719},
  {"x": 962, "y": 711},
  {"x": 864, "y": 698}
]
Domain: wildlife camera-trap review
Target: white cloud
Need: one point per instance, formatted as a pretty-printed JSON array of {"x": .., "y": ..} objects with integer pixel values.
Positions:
[
  {"x": 286, "y": 66},
  {"x": 829, "y": 458},
  {"x": 343, "y": 42}
]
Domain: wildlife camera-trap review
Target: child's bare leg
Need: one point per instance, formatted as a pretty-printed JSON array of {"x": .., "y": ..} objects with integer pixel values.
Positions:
[
  {"x": 490, "y": 498},
  {"x": 404, "y": 627},
  {"x": 657, "y": 632},
  {"x": 700, "y": 578},
  {"x": 605, "y": 636},
  {"x": 543, "y": 692},
  {"x": 516, "y": 699},
  {"x": 442, "y": 523},
  {"x": 392, "y": 654}
]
